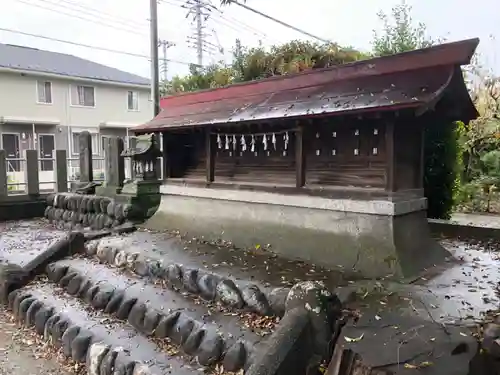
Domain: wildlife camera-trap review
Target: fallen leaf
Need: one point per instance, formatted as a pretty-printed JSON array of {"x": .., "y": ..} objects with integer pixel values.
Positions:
[
  {"x": 356, "y": 339},
  {"x": 425, "y": 364}
]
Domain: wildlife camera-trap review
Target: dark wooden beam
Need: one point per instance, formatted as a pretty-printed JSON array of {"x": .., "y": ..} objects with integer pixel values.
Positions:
[
  {"x": 390, "y": 157},
  {"x": 210, "y": 140},
  {"x": 166, "y": 151},
  {"x": 300, "y": 157},
  {"x": 420, "y": 183}
]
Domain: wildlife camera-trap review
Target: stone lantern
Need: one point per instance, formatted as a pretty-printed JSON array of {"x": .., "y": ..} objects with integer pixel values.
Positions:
[
  {"x": 143, "y": 191},
  {"x": 144, "y": 156}
]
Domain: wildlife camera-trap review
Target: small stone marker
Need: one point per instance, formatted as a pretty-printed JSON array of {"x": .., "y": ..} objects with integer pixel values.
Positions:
[
  {"x": 115, "y": 163},
  {"x": 86, "y": 172}
]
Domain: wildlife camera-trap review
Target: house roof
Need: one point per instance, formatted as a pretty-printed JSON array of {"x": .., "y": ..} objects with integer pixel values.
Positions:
[
  {"x": 41, "y": 61},
  {"x": 415, "y": 79}
]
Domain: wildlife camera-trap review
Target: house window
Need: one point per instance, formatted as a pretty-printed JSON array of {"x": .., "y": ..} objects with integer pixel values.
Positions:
[
  {"x": 133, "y": 100},
  {"x": 44, "y": 92},
  {"x": 75, "y": 141},
  {"x": 83, "y": 96}
]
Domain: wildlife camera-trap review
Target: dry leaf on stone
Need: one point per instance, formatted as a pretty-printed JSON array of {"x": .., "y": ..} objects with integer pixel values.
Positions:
[
  {"x": 419, "y": 366},
  {"x": 356, "y": 339}
]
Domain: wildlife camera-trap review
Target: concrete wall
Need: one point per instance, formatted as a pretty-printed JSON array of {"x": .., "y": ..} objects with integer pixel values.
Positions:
[{"x": 374, "y": 238}]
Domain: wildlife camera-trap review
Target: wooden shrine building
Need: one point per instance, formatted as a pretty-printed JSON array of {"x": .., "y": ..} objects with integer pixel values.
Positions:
[{"x": 325, "y": 165}]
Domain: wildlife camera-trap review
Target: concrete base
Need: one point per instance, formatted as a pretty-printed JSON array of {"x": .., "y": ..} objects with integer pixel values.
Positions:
[
  {"x": 371, "y": 238},
  {"x": 144, "y": 196},
  {"x": 18, "y": 207}
]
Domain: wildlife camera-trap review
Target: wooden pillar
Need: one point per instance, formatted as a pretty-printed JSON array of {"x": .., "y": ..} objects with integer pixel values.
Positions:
[
  {"x": 420, "y": 183},
  {"x": 61, "y": 171},
  {"x": 300, "y": 158},
  {"x": 166, "y": 162},
  {"x": 31, "y": 176},
  {"x": 210, "y": 155},
  {"x": 391, "y": 157}
]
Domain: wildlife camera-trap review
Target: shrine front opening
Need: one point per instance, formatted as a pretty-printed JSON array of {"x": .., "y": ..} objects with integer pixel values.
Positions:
[{"x": 325, "y": 166}]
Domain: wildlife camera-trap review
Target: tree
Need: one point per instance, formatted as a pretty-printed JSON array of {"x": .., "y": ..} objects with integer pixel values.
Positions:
[
  {"x": 216, "y": 75},
  {"x": 480, "y": 142},
  {"x": 400, "y": 35}
]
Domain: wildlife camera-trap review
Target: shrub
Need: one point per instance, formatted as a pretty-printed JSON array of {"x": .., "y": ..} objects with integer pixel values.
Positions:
[{"x": 442, "y": 167}]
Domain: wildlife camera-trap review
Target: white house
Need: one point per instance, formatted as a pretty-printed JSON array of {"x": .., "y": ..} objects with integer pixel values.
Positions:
[{"x": 48, "y": 98}]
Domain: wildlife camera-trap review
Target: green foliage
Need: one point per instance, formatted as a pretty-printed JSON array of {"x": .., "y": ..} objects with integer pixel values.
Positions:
[
  {"x": 442, "y": 168},
  {"x": 400, "y": 34},
  {"x": 259, "y": 62},
  {"x": 10, "y": 181}
]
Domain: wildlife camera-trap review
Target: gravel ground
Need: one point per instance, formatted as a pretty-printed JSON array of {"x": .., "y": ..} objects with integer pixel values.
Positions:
[{"x": 23, "y": 353}]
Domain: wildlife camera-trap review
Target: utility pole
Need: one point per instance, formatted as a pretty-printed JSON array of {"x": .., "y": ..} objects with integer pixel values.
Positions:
[
  {"x": 165, "y": 45},
  {"x": 199, "y": 31},
  {"x": 155, "y": 70}
]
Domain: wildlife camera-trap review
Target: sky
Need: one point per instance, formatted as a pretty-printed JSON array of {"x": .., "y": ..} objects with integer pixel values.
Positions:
[{"x": 123, "y": 25}]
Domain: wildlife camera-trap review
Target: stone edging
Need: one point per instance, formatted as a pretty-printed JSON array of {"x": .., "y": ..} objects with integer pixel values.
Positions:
[
  {"x": 79, "y": 211},
  {"x": 76, "y": 342},
  {"x": 452, "y": 229},
  {"x": 194, "y": 338},
  {"x": 207, "y": 285}
]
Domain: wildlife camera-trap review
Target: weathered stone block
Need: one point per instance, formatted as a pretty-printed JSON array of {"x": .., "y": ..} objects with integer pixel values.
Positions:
[
  {"x": 11, "y": 278},
  {"x": 166, "y": 324},
  {"x": 235, "y": 357},
  {"x": 229, "y": 294},
  {"x": 255, "y": 299}
]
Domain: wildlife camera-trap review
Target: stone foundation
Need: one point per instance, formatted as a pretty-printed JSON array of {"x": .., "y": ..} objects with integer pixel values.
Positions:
[
  {"x": 76, "y": 211},
  {"x": 374, "y": 238}
]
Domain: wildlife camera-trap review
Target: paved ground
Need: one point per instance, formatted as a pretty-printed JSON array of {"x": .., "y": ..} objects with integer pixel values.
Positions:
[
  {"x": 462, "y": 289},
  {"x": 22, "y": 354}
]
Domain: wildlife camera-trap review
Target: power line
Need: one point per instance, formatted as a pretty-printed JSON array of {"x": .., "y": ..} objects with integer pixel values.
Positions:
[
  {"x": 89, "y": 46},
  {"x": 221, "y": 18},
  {"x": 234, "y": 26},
  {"x": 98, "y": 22},
  {"x": 100, "y": 13},
  {"x": 279, "y": 21},
  {"x": 235, "y": 21}
]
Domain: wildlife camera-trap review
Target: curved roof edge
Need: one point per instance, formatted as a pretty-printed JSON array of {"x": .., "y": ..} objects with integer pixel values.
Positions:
[{"x": 404, "y": 80}]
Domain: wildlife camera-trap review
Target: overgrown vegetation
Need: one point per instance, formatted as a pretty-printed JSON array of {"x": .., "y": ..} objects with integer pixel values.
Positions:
[
  {"x": 256, "y": 63},
  {"x": 480, "y": 144},
  {"x": 462, "y": 164}
]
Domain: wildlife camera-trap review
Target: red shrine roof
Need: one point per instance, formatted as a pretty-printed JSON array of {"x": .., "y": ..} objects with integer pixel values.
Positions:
[{"x": 416, "y": 79}]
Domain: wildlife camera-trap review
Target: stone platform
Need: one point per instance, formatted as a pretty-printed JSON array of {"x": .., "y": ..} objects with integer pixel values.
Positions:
[
  {"x": 123, "y": 312},
  {"x": 370, "y": 238},
  {"x": 153, "y": 302}
]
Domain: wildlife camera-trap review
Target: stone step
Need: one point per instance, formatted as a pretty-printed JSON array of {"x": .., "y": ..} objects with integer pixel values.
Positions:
[
  {"x": 124, "y": 252},
  {"x": 21, "y": 241},
  {"x": 212, "y": 334},
  {"x": 108, "y": 346}
]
